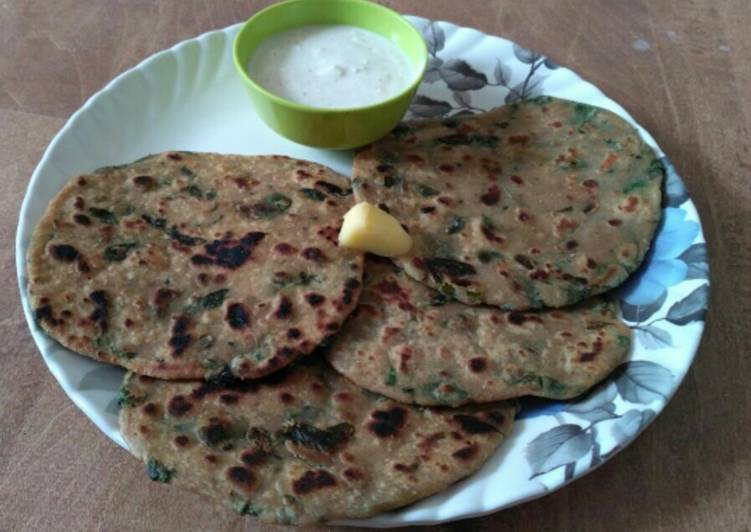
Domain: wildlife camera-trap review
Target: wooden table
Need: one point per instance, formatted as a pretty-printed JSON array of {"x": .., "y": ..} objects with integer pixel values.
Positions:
[{"x": 681, "y": 68}]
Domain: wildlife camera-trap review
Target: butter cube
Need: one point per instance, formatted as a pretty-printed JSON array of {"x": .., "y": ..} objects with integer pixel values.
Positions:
[{"x": 368, "y": 228}]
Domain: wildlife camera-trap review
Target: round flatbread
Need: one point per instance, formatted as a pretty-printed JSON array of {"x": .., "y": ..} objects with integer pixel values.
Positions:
[
  {"x": 539, "y": 203},
  {"x": 303, "y": 445},
  {"x": 180, "y": 264},
  {"x": 409, "y": 343}
]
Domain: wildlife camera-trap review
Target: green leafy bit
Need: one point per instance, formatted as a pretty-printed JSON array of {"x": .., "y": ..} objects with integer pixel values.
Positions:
[
  {"x": 488, "y": 222},
  {"x": 158, "y": 471},
  {"x": 540, "y": 100},
  {"x": 187, "y": 172},
  {"x": 548, "y": 385},
  {"x": 313, "y": 194},
  {"x": 322, "y": 440},
  {"x": 271, "y": 206},
  {"x": 475, "y": 296},
  {"x": 196, "y": 192},
  {"x": 553, "y": 387},
  {"x": 390, "y": 377},
  {"x": 426, "y": 192},
  {"x": 155, "y": 222},
  {"x": 584, "y": 114},
  {"x": 110, "y": 168},
  {"x": 446, "y": 290},
  {"x": 450, "y": 122},
  {"x": 623, "y": 341},
  {"x": 655, "y": 169},
  {"x": 106, "y": 343},
  {"x": 614, "y": 144},
  {"x": 172, "y": 232},
  {"x": 127, "y": 399},
  {"x": 530, "y": 291},
  {"x": 439, "y": 299},
  {"x": 213, "y": 299},
  {"x": 103, "y": 215},
  {"x": 246, "y": 508},
  {"x": 487, "y": 141},
  {"x": 118, "y": 252},
  {"x": 633, "y": 185},
  {"x": 456, "y": 224}
]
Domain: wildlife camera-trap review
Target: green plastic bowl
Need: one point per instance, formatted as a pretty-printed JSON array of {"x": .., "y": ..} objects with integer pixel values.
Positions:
[{"x": 329, "y": 128}]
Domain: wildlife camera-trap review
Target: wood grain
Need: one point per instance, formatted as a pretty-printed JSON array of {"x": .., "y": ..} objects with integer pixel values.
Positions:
[{"x": 690, "y": 471}]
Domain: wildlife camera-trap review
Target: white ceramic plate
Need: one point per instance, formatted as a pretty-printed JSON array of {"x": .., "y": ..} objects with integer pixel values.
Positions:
[{"x": 189, "y": 98}]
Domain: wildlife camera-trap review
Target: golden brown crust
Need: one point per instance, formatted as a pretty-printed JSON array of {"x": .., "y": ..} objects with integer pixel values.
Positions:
[
  {"x": 303, "y": 445},
  {"x": 180, "y": 264},
  {"x": 409, "y": 343},
  {"x": 537, "y": 204}
]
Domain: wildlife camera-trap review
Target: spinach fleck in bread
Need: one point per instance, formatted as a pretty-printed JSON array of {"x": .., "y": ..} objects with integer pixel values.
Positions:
[
  {"x": 303, "y": 445},
  {"x": 408, "y": 342},
  {"x": 534, "y": 204},
  {"x": 180, "y": 264}
]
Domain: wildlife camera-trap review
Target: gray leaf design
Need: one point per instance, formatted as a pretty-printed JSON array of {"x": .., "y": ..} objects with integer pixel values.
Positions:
[
  {"x": 434, "y": 37},
  {"x": 693, "y": 307},
  {"x": 460, "y": 76},
  {"x": 502, "y": 73},
  {"x": 464, "y": 99},
  {"x": 652, "y": 337},
  {"x": 600, "y": 414},
  {"x": 513, "y": 95},
  {"x": 550, "y": 64},
  {"x": 640, "y": 313},
  {"x": 697, "y": 261},
  {"x": 107, "y": 378},
  {"x": 464, "y": 112},
  {"x": 630, "y": 424},
  {"x": 642, "y": 381},
  {"x": 431, "y": 71},
  {"x": 559, "y": 446},
  {"x": 425, "y": 107},
  {"x": 599, "y": 397},
  {"x": 675, "y": 190},
  {"x": 525, "y": 55}
]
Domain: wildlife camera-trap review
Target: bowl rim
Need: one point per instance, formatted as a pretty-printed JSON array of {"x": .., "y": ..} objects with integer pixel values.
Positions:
[{"x": 275, "y": 98}]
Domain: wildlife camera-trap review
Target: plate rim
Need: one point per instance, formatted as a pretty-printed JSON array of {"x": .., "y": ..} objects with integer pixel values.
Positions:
[{"x": 40, "y": 338}]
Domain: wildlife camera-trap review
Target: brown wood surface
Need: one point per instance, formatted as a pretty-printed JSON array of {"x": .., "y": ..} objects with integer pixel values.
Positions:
[{"x": 691, "y": 88}]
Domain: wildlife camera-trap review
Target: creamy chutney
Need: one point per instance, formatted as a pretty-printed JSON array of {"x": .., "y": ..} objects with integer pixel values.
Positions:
[{"x": 333, "y": 66}]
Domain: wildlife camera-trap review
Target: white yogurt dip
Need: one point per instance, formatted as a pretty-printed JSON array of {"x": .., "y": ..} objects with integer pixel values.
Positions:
[{"x": 331, "y": 66}]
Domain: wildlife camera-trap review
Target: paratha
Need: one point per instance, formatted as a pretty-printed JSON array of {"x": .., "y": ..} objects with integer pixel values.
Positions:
[
  {"x": 303, "y": 445},
  {"x": 534, "y": 204},
  {"x": 180, "y": 264},
  {"x": 408, "y": 342}
]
